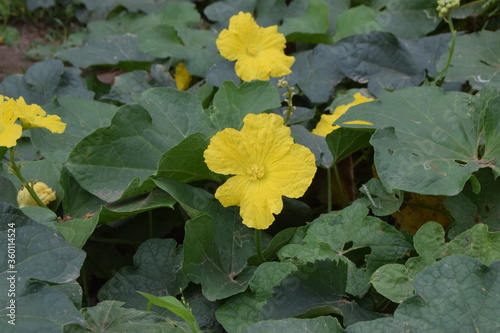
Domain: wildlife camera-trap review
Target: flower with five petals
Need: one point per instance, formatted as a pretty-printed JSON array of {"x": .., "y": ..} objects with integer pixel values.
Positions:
[
  {"x": 266, "y": 165},
  {"x": 259, "y": 52}
]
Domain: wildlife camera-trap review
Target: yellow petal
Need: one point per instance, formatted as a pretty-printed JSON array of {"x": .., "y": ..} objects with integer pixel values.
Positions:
[
  {"x": 265, "y": 138},
  {"x": 324, "y": 125},
  {"x": 44, "y": 193},
  {"x": 293, "y": 173},
  {"x": 33, "y": 116},
  {"x": 226, "y": 153},
  {"x": 260, "y": 201}
]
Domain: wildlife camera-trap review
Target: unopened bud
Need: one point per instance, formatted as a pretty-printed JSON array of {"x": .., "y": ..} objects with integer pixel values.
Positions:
[{"x": 45, "y": 194}]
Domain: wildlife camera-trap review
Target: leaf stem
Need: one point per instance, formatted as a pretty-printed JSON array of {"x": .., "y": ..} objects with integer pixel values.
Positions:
[
  {"x": 28, "y": 185},
  {"x": 329, "y": 190},
  {"x": 258, "y": 246}
]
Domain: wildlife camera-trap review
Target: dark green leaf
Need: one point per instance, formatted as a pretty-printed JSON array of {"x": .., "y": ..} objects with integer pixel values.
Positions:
[
  {"x": 45, "y": 80},
  {"x": 380, "y": 201},
  {"x": 323, "y": 324}
]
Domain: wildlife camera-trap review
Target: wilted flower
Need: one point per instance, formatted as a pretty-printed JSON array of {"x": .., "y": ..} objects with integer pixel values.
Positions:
[
  {"x": 325, "y": 125},
  {"x": 259, "y": 52},
  {"x": 182, "y": 76},
  {"x": 45, "y": 193},
  {"x": 266, "y": 165}
]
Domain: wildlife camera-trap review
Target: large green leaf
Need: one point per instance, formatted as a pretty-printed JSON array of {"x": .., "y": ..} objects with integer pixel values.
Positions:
[
  {"x": 453, "y": 295},
  {"x": 157, "y": 270},
  {"x": 316, "y": 73},
  {"x": 426, "y": 141},
  {"x": 35, "y": 252},
  {"x": 381, "y": 201},
  {"x": 239, "y": 312},
  {"x": 356, "y": 20},
  {"x": 310, "y": 27},
  {"x": 185, "y": 162},
  {"x": 352, "y": 237},
  {"x": 409, "y": 19},
  {"x": 395, "y": 281},
  {"x": 476, "y": 59},
  {"x": 216, "y": 245},
  {"x": 81, "y": 117},
  {"x": 323, "y": 324},
  {"x": 318, "y": 284},
  {"x": 380, "y": 59},
  {"x": 231, "y": 103},
  {"x": 164, "y": 118},
  {"x": 469, "y": 208},
  {"x": 315, "y": 143},
  {"x": 39, "y": 308},
  {"x": 106, "y": 50},
  {"x": 110, "y": 316},
  {"x": 45, "y": 80}
]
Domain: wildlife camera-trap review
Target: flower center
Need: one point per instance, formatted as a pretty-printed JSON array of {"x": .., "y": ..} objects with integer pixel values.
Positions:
[
  {"x": 256, "y": 171},
  {"x": 252, "y": 50}
]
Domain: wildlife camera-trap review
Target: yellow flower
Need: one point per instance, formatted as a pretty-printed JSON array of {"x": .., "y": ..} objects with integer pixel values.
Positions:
[
  {"x": 182, "y": 76},
  {"x": 266, "y": 165},
  {"x": 45, "y": 193},
  {"x": 9, "y": 130},
  {"x": 33, "y": 116},
  {"x": 325, "y": 125},
  {"x": 259, "y": 51}
]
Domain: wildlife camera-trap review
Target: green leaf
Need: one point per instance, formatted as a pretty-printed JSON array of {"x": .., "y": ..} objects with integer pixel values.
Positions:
[
  {"x": 342, "y": 142},
  {"x": 239, "y": 312},
  {"x": 269, "y": 275},
  {"x": 39, "y": 307},
  {"x": 81, "y": 117},
  {"x": 455, "y": 294},
  {"x": 106, "y": 50},
  {"x": 409, "y": 19},
  {"x": 395, "y": 281},
  {"x": 231, "y": 103},
  {"x": 174, "y": 305},
  {"x": 8, "y": 194},
  {"x": 216, "y": 245},
  {"x": 380, "y": 59},
  {"x": 419, "y": 143},
  {"x": 185, "y": 162},
  {"x": 315, "y": 143},
  {"x": 316, "y": 73},
  {"x": 45, "y": 80},
  {"x": 165, "y": 117},
  {"x": 356, "y": 20},
  {"x": 109, "y": 316},
  {"x": 476, "y": 59},
  {"x": 77, "y": 231},
  {"x": 310, "y": 27},
  {"x": 492, "y": 132},
  {"x": 157, "y": 270},
  {"x": 469, "y": 208},
  {"x": 320, "y": 283},
  {"x": 354, "y": 238},
  {"x": 130, "y": 84},
  {"x": 380, "y": 201},
  {"x": 323, "y": 324},
  {"x": 40, "y": 252}
]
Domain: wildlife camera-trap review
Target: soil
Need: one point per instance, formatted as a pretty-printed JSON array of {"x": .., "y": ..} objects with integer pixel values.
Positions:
[{"x": 12, "y": 58}]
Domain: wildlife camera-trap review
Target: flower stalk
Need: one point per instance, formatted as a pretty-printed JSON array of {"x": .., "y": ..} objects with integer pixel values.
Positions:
[{"x": 28, "y": 185}]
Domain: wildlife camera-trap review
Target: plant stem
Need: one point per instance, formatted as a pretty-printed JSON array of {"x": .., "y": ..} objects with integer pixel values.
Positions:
[
  {"x": 338, "y": 183},
  {"x": 258, "y": 246},
  {"x": 442, "y": 74},
  {"x": 150, "y": 216},
  {"x": 329, "y": 190},
  {"x": 28, "y": 185}
]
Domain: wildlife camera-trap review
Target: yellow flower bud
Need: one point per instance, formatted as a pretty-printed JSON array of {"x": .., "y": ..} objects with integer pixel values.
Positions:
[{"x": 45, "y": 193}]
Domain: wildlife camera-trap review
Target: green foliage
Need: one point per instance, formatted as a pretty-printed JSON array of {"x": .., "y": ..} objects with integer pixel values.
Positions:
[{"x": 137, "y": 240}]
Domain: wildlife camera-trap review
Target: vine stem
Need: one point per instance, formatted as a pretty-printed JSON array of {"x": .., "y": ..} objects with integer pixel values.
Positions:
[
  {"x": 442, "y": 74},
  {"x": 338, "y": 182},
  {"x": 28, "y": 185},
  {"x": 258, "y": 246}
]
